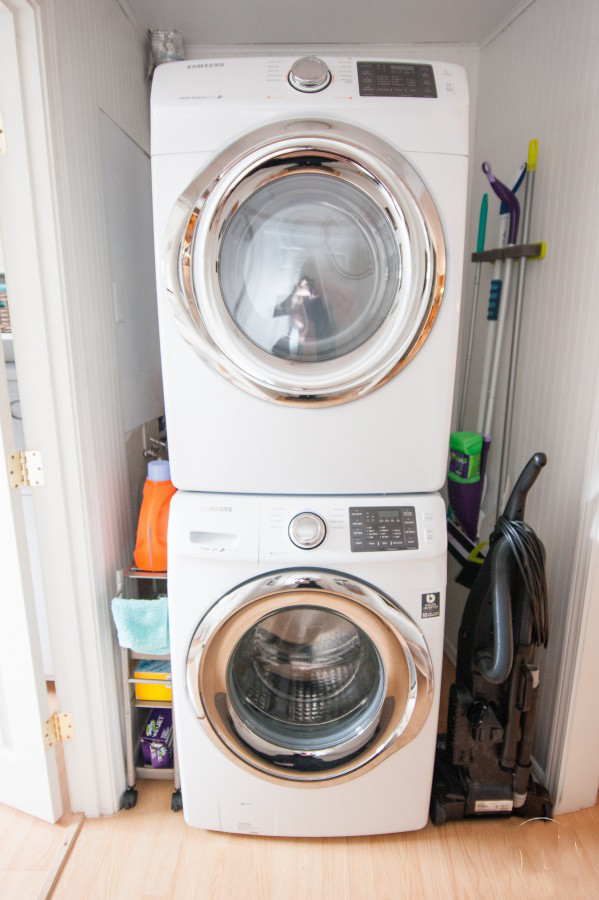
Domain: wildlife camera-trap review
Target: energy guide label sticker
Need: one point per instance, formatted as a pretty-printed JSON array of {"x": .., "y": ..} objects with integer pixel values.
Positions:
[{"x": 431, "y": 605}]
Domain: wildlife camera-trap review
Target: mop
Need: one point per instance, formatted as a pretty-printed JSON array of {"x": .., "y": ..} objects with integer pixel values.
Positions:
[
  {"x": 495, "y": 293},
  {"x": 518, "y": 304},
  {"x": 468, "y": 449}
]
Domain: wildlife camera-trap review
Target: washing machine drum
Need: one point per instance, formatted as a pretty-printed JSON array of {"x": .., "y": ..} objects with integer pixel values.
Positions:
[
  {"x": 306, "y": 263},
  {"x": 309, "y": 676}
]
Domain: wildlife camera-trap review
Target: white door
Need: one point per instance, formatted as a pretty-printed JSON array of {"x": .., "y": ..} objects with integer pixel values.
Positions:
[{"x": 28, "y": 773}]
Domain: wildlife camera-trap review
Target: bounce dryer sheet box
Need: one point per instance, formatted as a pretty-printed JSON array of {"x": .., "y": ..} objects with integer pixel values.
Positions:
[{"x": 157, "y": 739}]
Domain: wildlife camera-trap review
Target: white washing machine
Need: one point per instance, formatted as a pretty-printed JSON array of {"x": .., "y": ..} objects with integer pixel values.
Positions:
[
  {"x": 306, "y": 644},
  {"x": 309, "y": 223}
]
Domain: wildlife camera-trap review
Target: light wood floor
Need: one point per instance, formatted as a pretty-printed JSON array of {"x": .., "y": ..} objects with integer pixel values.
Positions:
[{"x": 148, "y": 853}]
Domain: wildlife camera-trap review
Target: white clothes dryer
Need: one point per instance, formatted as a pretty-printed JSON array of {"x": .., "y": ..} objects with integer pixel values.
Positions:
[
  {"x": 309, "y": 225},
  {"x": 306, "y": 646}
]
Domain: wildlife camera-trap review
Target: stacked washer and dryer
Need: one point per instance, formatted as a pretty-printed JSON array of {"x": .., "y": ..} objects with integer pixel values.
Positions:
[{"x": 309, "y": 223}]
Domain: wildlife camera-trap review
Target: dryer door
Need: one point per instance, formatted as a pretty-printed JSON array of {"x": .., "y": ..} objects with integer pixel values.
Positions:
[
  {"x": 307, "y": 263},
  {"x": 309, "y": 675}
]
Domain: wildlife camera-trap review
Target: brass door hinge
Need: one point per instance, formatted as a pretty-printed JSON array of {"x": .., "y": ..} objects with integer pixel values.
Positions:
[
  {"x": 58, "y": 727},
  {"x": 25, "y": 468}
]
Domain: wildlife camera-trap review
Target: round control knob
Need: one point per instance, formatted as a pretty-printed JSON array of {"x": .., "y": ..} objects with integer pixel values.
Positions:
[
  {"x": 309, "y": 74},
  {"x": 307, "y": 530}
]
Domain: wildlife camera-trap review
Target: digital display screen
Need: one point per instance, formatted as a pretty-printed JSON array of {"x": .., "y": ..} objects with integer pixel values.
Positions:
[
  {"x": 388, "y": 514},
  {"x": 396, "y": 79}
]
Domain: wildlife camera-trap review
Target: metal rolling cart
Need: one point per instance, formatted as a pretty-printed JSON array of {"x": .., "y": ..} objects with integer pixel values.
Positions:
[{"x": 134, "y": 760}]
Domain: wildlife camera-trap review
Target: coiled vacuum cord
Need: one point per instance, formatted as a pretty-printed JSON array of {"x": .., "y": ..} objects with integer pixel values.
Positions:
[{"x": 529, "y": 554}]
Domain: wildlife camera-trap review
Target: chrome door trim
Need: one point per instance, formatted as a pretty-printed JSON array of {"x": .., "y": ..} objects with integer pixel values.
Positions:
[
  {"x": 199, "y": 220},
  {"x": 408, "y": 690}
]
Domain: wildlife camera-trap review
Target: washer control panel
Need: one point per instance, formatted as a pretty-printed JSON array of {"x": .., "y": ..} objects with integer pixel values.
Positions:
[
  {"x": 373, "y": 528},
  {"x": 307, "y": 530},
  {"x": 396, "y": 79}
]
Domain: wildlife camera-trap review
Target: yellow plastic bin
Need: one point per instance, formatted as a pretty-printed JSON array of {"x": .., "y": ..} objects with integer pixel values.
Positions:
[{"x": 153, "y": 670}]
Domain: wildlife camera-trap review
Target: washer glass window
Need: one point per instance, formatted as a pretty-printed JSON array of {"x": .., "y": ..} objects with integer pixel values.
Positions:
[
  {"x": 308, "y": 675},
  {"x": 309, "y": 267},
  {"x": 306, "y": 678}
]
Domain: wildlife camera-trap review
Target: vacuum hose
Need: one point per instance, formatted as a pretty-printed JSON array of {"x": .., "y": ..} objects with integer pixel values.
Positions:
[
  {"x": 516, "y": 544},
  {"x": 496, "y": 670}
]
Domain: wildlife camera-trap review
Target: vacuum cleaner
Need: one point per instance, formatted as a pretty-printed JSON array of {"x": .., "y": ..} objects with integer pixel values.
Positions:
[{"x": 483, "y": 765}]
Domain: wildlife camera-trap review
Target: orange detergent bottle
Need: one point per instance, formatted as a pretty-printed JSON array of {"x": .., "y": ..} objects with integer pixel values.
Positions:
[{"x": 150, "y": 547}]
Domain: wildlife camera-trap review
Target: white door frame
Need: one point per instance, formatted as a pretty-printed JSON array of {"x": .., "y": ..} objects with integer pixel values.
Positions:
[
  {"x": 42, "y": 341},
  {"x": 573, "y": 760}
]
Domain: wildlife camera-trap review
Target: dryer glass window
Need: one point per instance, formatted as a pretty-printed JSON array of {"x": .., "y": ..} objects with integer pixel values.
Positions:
[
  {"x": 309, "y": 267},
  {"x": 305, "y": 679}
]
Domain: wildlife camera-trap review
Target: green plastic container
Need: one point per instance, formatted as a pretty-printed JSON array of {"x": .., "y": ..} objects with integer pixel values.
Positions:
[{"x": 465, "y": 453}]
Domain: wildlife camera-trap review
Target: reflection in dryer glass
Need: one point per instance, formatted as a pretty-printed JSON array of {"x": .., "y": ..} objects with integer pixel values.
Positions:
[{"x": 309, "y": 266}]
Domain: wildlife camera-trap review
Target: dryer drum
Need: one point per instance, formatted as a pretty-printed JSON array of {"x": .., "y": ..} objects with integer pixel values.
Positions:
[
  {"x": 308, "y": 675},
  {"x": 306, "y": 263}
]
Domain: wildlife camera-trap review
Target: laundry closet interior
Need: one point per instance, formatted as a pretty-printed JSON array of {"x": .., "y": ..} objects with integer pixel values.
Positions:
[{"x": 263, "y": 271}]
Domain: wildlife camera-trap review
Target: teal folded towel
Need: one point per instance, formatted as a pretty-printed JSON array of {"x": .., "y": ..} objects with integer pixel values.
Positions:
[{"x": 142, "y": 625}]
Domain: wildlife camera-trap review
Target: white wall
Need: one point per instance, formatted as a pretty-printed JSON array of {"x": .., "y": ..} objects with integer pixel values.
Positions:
[
  {"x": 128, "y": 210},
  {"x": 539, "y": 78}
]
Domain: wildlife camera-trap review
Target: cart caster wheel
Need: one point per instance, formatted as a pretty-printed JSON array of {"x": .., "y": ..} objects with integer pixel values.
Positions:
[
  {"x": 129, "y": 798},
  {"x": 176, "y": 801}
]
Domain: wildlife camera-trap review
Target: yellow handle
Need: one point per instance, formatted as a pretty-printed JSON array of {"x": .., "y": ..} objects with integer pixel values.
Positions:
[{"x": 533, "y": 149}]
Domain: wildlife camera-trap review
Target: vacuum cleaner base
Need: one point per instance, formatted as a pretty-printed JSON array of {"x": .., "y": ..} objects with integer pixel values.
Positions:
[{"x": 456, "y": 796}]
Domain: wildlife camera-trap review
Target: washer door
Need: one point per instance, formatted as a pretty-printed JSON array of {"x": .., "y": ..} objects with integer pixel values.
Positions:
[
  {"x": 307, "y": 263},
  {"x": 309, "y": 676}
]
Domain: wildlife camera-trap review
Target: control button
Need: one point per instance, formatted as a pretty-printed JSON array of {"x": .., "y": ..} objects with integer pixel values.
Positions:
[
  {"x": 429, "y": 535},
  {"x": 309, "y": 74},
  {"x": 307, "y": 530}
]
